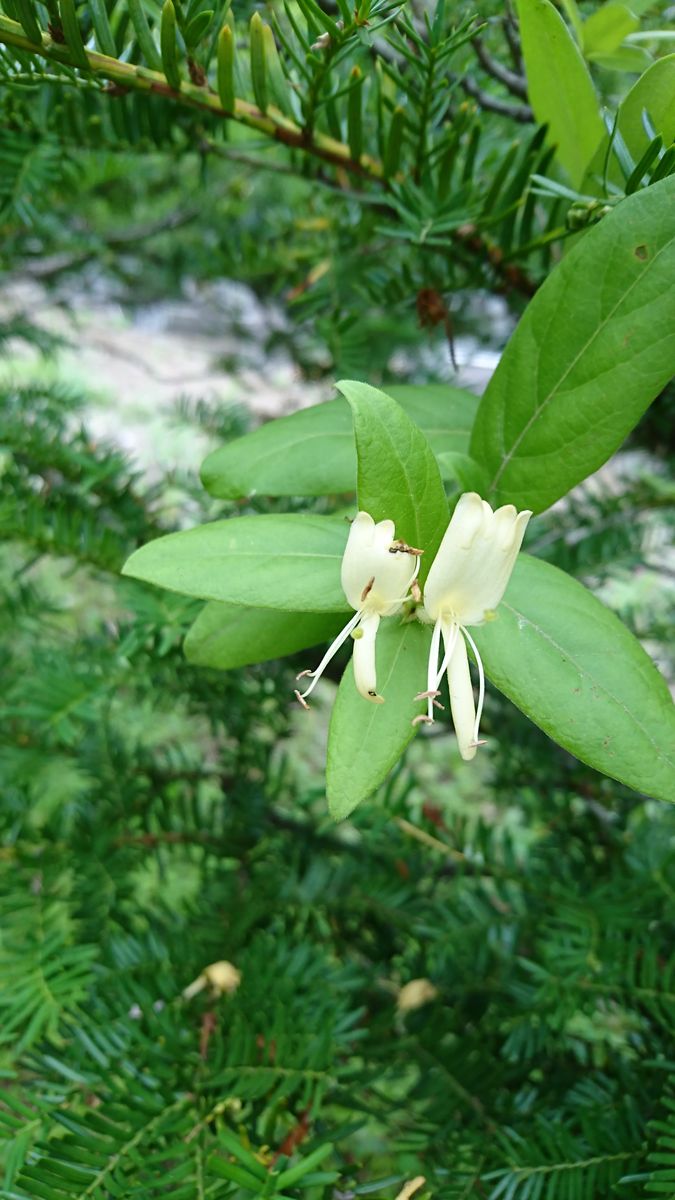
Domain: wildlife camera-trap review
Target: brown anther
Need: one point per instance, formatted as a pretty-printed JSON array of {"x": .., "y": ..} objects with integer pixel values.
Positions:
[
  {"x": 303, "y": 674},
  {"x": 301, "y": 700},
  {"x": 481, "y": 742},
  {"x": 416, "y": 592},
  {"x": 367, "y": 589},
  {"x": 437, "y": 704},
  {"x": 430, "y": 695},
  {"x": 399, "y": 547},
  {"x": 422, "y": 719}
]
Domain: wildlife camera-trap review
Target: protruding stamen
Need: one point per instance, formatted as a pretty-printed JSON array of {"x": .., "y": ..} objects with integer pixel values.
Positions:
[
  {"x": 422, "y": 719},
  {"x": 301, "y": 699},
  {"x": 449, "y": 648},
  {"x": 432, "y": 673},
  {"x": 426, "y": 695},
  {"x": 399, "y": 547},
  {"x": 301, "y": 674},
  {"x": 481, "y": 685},
  {"x": 330, "y": 653},
  {"x": 418, "y": 564}
]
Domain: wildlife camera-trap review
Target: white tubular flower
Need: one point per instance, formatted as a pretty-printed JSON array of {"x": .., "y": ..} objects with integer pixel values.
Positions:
[
  {"x": 467, "y": 581},
  {"x": 377, "y": 572}
]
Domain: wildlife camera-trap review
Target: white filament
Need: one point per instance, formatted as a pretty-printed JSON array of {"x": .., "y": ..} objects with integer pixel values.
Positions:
[
  {"x": 331, "y": 652},
  {"x": 435, "y": 672}
]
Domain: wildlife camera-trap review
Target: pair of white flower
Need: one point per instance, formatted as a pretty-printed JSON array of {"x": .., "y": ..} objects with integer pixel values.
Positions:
[{"x": 467, "y": 581}]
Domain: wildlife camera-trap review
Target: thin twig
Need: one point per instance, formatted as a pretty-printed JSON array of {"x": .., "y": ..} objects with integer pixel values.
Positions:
[
  {"x": 510, "y": 27},
  {"x": 517, "y": 112},
  {"x": 515, "y": 84}
]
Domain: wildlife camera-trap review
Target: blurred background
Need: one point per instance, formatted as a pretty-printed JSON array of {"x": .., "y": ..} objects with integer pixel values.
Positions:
[{"x": 472, "y": 980}]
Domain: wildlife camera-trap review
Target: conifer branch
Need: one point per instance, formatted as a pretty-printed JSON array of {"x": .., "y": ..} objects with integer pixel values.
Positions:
[{"x": 130, "y": 77}]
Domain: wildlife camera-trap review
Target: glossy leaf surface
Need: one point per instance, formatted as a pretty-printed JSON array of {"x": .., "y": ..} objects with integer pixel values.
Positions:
[
  {"x": 290, "y": 562},
  {"x": 593, "y": 349},
  {"x": 366, "y": 740},
  {"x": 398, "y": 477},
  {"x": 312, "y": 452},
  {"x": 559, "y": 86},
  {"x": 231, "y": 635},
  {"x": 575, "y": 670}
]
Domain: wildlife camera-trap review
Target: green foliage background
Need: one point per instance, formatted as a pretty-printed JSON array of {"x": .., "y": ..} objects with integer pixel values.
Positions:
[{"x": 158, "y": 816}]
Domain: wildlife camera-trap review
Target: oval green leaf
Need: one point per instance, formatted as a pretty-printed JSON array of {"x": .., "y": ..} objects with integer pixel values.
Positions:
[
  {"x": 559, "y": 86},
  {"x": 225, "y": 636},
  {"x": 291, "y": 562},
  {"x": 594, "y": 348},
  {"x": 575, "y": 670},
  {"x": 398, "y": 477},
  {"x": 464, "y": 471},
  {"x": 312, "y": 452},
  {"x": 605, "y": 29},
  {"x": 653, "y": 93},
  {"x": 366, "y": 740}
]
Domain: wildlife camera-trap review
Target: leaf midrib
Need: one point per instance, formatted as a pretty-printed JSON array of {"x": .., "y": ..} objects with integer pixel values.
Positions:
[
  {"x": 583, "y": 350},
  {"x": 585, "y": 673}
]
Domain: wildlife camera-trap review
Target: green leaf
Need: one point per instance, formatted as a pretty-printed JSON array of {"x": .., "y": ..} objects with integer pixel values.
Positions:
[
  {"x": 366, "y": 740},
  {"x": 312, "y": 452},
  {"x": 605, "y": 29},
  {"x": 559, "y": 86},
  {"x": 595, "y": 346},
  {"x": 280, "y": 88},
  {"x": 258, "y": 65},
  {"x": 580, "y": 675},
  {"x": 627, "y": 58},
  {"x": 227, "y": 635},
  {"x": 225, "y": 68},
  {"x": 653, "y": 93},
  {"x": 168, "y": 45},
  {"x": 398, "y": 476},
  {"x": 292, "y": 1175},
  {"x": 445, "y": 414},
  {"x": 463, "y": 470},
  {"x": 73, "y": 34},
  {"x": 104, "y": 36},
  {"x": 144, "y": 35},
  {"x": 197, "y": 28},
  {"x": 26, "y": 15},
  {"x": 571, "y": 10},
  {"x": 289, "y": 561},
  {"x": 236, "y": 1174},
  {"x": 394, "y": 147},
  {"x": 354, "y": 114}
]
